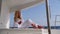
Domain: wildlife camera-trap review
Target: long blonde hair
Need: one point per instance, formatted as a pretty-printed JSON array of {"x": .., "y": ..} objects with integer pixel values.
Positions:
[{"x": 17, "y": 15}]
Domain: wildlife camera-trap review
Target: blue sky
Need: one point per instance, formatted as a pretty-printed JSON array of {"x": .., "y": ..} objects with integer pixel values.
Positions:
[
  {"x": 38, "y": 13},
  {"x": 55, "y": 10}
]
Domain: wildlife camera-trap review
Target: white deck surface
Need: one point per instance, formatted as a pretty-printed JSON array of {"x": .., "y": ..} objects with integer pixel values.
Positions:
[
  {"x": 53, "y": 31},
  {"x": 28, "y": 31},
  {"x": 21, "y": 31}
]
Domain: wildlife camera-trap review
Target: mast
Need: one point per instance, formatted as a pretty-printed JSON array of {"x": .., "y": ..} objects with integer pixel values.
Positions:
[
  {"x": 0, "y": 7},
  {"x": 48, "y": 19}
]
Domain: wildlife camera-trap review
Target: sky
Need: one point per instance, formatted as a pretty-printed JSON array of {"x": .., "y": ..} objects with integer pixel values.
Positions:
[{"x": 38, "y": 13}]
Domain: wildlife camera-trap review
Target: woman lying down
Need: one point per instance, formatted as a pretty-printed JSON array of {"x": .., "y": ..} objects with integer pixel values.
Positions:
[{"x": 27, "y": 24}]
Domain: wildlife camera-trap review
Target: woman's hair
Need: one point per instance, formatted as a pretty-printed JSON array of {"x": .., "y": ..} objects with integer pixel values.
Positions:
[{"x": 17, "y": 15}]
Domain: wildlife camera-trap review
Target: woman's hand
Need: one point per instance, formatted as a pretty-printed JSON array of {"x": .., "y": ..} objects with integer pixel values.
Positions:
[{"x": 19, "y": 22}]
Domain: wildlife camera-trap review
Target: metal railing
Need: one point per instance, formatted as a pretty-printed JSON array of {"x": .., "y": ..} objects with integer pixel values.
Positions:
[{"x": 56, "y": 20}]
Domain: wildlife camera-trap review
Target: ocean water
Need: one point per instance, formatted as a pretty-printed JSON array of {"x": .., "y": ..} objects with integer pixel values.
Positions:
[
  {"x": 52, "y": 27},
  {"x": 45, "y": 27}
]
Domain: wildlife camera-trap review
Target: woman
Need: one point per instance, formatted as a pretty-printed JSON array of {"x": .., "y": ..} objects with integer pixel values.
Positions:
[{"x": 17, "y": 19}]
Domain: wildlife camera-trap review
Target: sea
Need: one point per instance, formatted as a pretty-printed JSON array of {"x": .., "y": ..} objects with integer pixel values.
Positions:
[{"x": 52, "y": 27}]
